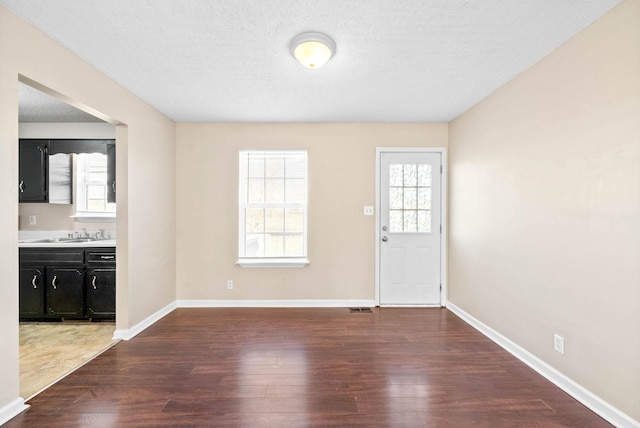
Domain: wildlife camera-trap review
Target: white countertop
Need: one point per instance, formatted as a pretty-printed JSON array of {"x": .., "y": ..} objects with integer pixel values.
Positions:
[
  {"x": 33, "y": 239},
  {"x": 97, "y": 243}
]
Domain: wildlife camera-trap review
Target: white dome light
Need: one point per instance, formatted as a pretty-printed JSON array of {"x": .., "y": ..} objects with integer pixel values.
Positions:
[{"x": 312, "y": 50}]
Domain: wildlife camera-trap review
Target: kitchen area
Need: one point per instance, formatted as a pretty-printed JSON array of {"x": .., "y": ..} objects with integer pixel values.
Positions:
[{"x": 67, "y": 238}]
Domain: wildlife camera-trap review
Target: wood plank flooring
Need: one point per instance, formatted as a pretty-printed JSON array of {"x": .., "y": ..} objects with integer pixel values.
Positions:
[{"x": 242, "y": 367}]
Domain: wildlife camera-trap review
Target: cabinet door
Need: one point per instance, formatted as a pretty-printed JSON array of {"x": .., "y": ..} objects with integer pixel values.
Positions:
[
  {"x": 65, "y": 292},
  {"x": 32, "y": 185},
  {"x": 111, "y": 172},
  {"x": 101, "y": 292},
  {"x": 32, "y": 292}
]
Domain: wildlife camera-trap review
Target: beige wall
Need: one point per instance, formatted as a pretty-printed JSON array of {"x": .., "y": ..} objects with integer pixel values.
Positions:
[
  {"x": 146, "y": 182},
  {"x": 545, "y": 208},
  {"x": 341, "y": 242}
]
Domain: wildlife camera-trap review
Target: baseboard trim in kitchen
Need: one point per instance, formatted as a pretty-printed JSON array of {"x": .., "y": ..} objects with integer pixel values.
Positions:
[
  {"x": 310, "y": 303},
  {"x": 577, "y": 391},
  {"x": 12, "y": 410},
  {"x": 126, "y": 334}
]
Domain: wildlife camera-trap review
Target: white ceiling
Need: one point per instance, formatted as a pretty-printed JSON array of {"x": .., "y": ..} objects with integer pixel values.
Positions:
[
  {"x": 36, "y": 106},
  {"x": 229, "y": 61}
]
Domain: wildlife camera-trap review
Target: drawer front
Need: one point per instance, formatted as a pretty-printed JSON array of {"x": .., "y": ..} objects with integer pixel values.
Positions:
[
  {"x": 101, "y": 256},
  {"x": 52, "y": 256}
]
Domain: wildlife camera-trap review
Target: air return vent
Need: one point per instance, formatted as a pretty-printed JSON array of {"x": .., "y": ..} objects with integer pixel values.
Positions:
[{"x": 360, "y": 310}]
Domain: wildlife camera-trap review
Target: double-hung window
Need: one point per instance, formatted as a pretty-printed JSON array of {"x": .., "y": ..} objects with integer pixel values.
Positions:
[
  {"x": 91, "y": 187},
  {"x": 273, "y": 209}
]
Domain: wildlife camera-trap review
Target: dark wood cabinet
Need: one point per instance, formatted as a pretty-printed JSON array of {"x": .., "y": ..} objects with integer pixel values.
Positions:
[
  {"x": 67, "y": 283},
  {"x": 111, "y": 172},
  {"x": 32, "y": 283},
  {"x": 101, "y": 283},
  {"x": 65, "y": 292},
  {"x": 101, "y": 292},
  {"x": 32, "y": 165},
  {"x": 45, "y": 168}
]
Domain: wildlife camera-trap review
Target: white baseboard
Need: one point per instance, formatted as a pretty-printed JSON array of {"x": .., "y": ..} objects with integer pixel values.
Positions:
[
  {"x": 410, "y": 306},
  {"x": 12, "y": 410},
  {"x": 311, "y": 303},
  {"x": 138, "y": 328},
  {"x": 586, "y": 397}
]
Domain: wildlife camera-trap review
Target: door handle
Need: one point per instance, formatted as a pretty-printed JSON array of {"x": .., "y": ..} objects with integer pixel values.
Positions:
[{"x": 385, "y": 239}]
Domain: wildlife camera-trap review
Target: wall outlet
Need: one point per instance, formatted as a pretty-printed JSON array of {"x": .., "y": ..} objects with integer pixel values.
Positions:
[
  {"x": 368, "y": 210},
  {"x": 558, "y": 343},
  {"x": 32, "y": 220},
  {"x": 229, "y": 284}
]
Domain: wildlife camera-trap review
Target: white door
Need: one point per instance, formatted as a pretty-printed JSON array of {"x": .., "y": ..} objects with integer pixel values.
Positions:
[{"x": 410, "y": 228}]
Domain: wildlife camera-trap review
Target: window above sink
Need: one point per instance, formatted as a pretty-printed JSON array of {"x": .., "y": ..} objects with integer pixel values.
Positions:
[{"x": 92, "y": 188}]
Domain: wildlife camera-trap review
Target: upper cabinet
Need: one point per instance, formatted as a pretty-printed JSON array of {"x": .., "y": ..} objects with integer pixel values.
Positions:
[
  {"x": 45, "y": 168},
  {"x": 111, "y": 172},
  {"x": 32, "y": 181}
]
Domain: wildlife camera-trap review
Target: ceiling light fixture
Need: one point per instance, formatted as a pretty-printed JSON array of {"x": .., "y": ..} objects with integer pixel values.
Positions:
[{"x": 312, "y": 50}]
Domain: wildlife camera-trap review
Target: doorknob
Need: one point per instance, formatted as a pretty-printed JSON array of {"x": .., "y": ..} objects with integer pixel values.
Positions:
[
  {"x": 385, "y": 239},
  {"x": 385, "y": 228}
]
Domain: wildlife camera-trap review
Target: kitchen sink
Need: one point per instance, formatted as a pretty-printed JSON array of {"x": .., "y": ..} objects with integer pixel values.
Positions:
[{"x": 61, "y": 240}]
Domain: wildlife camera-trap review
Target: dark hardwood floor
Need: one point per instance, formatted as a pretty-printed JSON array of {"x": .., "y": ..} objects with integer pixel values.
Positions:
[{"x": 395, "y": 367}]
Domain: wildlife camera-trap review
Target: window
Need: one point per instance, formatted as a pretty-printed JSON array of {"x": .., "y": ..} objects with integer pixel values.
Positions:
[
  {"x": 273, "y": 209},
  {"x": 410, "y": 198},
  {"x": 91, "y": 186}
]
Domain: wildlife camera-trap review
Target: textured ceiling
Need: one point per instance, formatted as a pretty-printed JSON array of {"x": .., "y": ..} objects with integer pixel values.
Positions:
[
  {"x": 228, "y": 60},
  {"x": 36, "y": 106}
]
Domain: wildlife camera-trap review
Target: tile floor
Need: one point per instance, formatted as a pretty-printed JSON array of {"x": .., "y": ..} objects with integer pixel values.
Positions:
[{"x": 49, "y": 351}]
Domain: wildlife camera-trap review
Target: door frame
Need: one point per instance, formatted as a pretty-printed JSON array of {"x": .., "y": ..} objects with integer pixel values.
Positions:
[{"x": 443, "y": 216}]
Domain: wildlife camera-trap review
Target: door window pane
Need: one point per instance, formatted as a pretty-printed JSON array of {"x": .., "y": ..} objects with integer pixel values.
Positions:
[{"x": 410, "y": 198}]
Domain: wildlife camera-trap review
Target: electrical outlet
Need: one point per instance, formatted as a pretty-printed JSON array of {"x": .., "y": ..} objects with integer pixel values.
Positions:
[
  {"x": 32, "y": 220},
  {"x": 229, "y": 284},
  {"x": 558, "y": 343},
  {"x": 368, "y": 210}
]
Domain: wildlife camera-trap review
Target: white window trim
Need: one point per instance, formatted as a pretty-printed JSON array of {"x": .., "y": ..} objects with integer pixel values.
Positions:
[
  {"x": 271, "y": 262},
  {"x": 106, "y": 217},
  {"x": 88, "y": 216}
]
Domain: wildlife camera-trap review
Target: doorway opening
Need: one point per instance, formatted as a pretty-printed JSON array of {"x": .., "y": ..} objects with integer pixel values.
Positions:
[{"x": 57, "y": 332}]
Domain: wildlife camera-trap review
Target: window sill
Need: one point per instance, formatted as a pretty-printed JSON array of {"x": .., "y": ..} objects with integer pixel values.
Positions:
[
  {"x": 95, "y": 217},
  {"x": 296, "y": 262}
]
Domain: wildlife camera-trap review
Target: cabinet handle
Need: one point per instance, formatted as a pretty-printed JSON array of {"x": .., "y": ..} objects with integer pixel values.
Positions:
[
  {"x": 33, "y": 281},
  {"x": 53, "y": 282},
  {"x": 93, "y": 282},
  {"x": 113, "y": 185},
  {"x": 107, "y": 257},
  {"x": 21, "y": 186}
]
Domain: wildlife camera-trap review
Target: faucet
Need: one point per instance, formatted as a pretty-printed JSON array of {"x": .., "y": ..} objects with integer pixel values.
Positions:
[{"x": 86, "y": 234}]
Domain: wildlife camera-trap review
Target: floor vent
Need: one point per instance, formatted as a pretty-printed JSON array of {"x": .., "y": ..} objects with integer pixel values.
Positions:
[{"x": 360, "y": 310}]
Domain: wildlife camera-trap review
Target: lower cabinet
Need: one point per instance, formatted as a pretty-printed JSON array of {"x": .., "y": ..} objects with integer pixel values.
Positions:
[
  {"x": 101, "y": 292},
  {"x": 65, "y": 292},
  {"x": 66, "y": 283},
  {"x": 32, "y": 284}
]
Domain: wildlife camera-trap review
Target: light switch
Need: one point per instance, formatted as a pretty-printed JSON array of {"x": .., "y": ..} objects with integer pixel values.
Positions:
[
  {"x": 32, "y": 220},
  {"x": 368, "y": 210}
]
